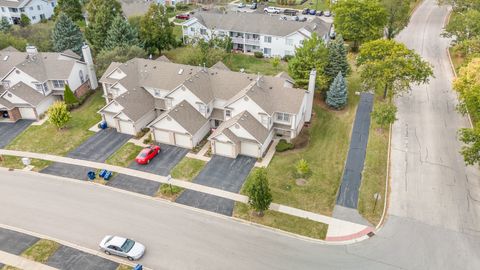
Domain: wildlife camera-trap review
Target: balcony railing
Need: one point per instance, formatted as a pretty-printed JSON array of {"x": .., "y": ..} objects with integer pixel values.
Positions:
[{"x": 245, "y": 41}]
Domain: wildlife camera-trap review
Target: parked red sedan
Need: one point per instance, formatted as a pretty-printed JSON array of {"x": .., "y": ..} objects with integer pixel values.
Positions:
[
  {"x": 147, "y": 154},
  {"x": 183, "y": 16}
]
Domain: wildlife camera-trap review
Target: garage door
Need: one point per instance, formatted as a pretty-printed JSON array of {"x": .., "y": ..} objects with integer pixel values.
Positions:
[
  {"x": 110, "y": 121},
  {"x": 250, "y": 149},
  {"x": 162, "y": 136},
  {"x": 224, "y": 149},
  {"x": 126, "y": 127},
  {"x": 183, "y": 140},
  {"x": 27, "y": 113}
]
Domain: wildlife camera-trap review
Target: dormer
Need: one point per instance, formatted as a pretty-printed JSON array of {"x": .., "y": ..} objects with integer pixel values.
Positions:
[{"x": 117, "y": 74}]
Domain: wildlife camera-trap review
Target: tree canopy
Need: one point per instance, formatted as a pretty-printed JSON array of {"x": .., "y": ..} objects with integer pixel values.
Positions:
[
  {"x": 121, "y": 34},
  {"x": 398, "y": 16},
  {"x": 392, "y": 66},
  {"x": 66, "y": 35},
  {"x": 101, "y": 14},
  {"x": 259, "y": 194},
  {"x": 337, "y": 94},
  {"x": 118, "y": 54},
  {"x": 156, "y": 32},
  {"x": 71, "y": 8},
  {"x": 464, "y": 25},
  {"x": 468, "y": 86},
  {"x": 359, "y": 20},
  {"x": 337, "y": 59},
  {"x": 312, "y": 55}
]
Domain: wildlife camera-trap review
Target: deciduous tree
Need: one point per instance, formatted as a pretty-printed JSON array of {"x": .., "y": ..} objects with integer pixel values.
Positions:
[
  {"x": 5, "y": 26},
  {"x": 259, "y": 195},
  {"x": 66, "y": 35},
  {"x": 156, "y": 32},
  {"x": 119, "y": 54},
  {"x": 360, "y": 20},
  {"x": 471, "y": 150},
  {"x": 101, "y": 14},
  {"x": 24, "y": 20},
  {"x": 397, "y": 16},
  {"x": 464, "y": 25},
  {"x": 392, "y": 66},
  {"x": 59, "y": 115},
  {"x": 468, "y": 86},
  {"x": 384, "y": 114}
]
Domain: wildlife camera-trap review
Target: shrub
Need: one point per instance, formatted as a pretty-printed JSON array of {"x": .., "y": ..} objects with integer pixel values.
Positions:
[
  {"x": 148, "y": 140},
  {"x": 302, "y": 168},
  {"x": 287, "y": 58},
  {"x": 283, "y": 146},
  {"x": 141, "y": 133},
  {"x": 68, "y": 96},
  {"x": 59, "y": 115},
  {"x": 258, "y": 54}
]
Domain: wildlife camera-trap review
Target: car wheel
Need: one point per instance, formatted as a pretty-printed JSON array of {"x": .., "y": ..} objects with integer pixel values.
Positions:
[
  {"x": 108, "y": 253},
  {"x": 130, "y": 258}
]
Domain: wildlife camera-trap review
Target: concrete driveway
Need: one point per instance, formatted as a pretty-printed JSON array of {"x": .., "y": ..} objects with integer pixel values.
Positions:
[
  {"x": 162, "y": 164},
  {"x": 97, "y": 148},
  {"x": 223, "y": 173},
  {"x": 9, "y": 131}
]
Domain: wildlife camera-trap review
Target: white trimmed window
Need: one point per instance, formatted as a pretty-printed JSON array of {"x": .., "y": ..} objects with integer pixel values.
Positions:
[
  {"x": 283, "y": 117},
  {"x": 58, "y": 84},
  {"x": 289, "y": 41},
  {"x": 267, "y": 39},
  {"x": 228, "y": 113}
]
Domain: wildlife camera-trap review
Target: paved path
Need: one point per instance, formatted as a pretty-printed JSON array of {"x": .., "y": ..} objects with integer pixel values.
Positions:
[{"x": 22, "y": 263}]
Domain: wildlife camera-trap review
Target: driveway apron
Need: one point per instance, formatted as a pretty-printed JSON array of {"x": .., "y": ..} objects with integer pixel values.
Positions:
[
  {"x": 97, "y": 148},
  {"x": 223, "y": 173},
  {"x": 8, "y": 131},
  {"x": 162, "y": 164}
]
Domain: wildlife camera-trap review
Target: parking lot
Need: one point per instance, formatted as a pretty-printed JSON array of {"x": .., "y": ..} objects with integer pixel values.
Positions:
[
  {"x": 162, "y": 164},
  {"x": 97, "y": 148},
  {"x": 223, "y": 173}
]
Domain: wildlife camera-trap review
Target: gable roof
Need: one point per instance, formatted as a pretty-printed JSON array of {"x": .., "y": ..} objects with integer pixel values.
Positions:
[
  {"x": 248, "y": 122},
  {"x": 26, "y": 93},
  {"x": 163, "y": 58},
  {"x": 188, "y": 117},
  {"x": 136, "y": 103},
  {"x": 220, "y": 65},
  {"x": 252, "y": 22}
]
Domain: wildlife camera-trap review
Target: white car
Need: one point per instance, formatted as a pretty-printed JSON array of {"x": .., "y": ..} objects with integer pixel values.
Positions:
[
  {"x": 122, "y": 247},
  {"x": 273, "y": 10},
  {"x": 241, "y": 5}
]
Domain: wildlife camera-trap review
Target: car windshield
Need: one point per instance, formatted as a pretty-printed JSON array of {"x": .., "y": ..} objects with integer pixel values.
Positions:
[
  {"x": 127, "y": 246},
  {"x": 143, "y": 154}
]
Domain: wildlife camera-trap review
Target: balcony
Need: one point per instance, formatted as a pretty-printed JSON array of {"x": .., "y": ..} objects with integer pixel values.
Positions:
[{"x": 241, "y": 40}]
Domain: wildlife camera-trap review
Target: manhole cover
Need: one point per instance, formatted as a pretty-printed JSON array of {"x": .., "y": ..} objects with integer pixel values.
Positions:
[{"x": 301, "y": 182}]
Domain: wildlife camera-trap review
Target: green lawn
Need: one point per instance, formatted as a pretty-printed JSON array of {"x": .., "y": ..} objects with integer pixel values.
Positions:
[
  {"x": 124, "y": 267},
  {"x": 8, "y": 267},
  {"x": 235, "y": 61},
  {"x": 47, "y": 139},
  {"x": 186, "y": 169},
  {"x": 125, "y": 155},
  {"x": 41, "y": 251},
  {"x": 16, "y": 163},
  {"x": 374, "y": 174},
  {"x": 311, "y": 4}
]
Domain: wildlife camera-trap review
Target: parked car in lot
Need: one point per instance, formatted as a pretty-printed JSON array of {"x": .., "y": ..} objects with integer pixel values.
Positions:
[
  {"x": 253, "y": 6},
  {"x": 122, "y": 247},
  {"x": 306, "y": 11},
  {"x": 241, "y": 5},
  {"x": 319, "y": 12},
  {"x": 147, "y": 154},
  {"x": 183, "y": 16},
  {"x": 327, "y": 13},
  {"x": 312, "y": 12},
  {"x": 290, "y": 12},
  {"x": 302, "y": 19},
  {"x": 273, "y": 10}
]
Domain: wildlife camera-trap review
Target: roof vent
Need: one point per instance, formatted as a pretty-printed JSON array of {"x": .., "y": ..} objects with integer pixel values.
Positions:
[
  {"x": 180, "y": 72},
  {"x": 5, "y": 58},
  {"x": 181, "y": 105}
]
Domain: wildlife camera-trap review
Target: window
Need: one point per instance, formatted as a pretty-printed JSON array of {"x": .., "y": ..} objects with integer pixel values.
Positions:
[
  {"x": 203, "y": 31},
  {"x": 157, "y": 92},
  {"x": 58, "y": 84},
  {"x": 34, "y": 18},
  {"x": 45, "y": 87},
  {"x": 267, "y": 51},
  {"x": 80, "y": 74},
  {"x": 283, "y": 117},
  {"x": 267, "y": 39},
  {"x": 22, "y": 10},
  {"x": 39, "y": 7},
  {"x": 42, "y": 16},
  {"x": 39, "y": 87},
  {"x": 13, "y": 9},
  {"x": 3, "y": 9},
  {"x": 192, "y": 29},
  {"x": 228, "y": 113},
  {"x": 31, "y": 8},
  {"x": 289, "y": 41},
  {"x": 201, "y": 108},
  {"x": 301, "y": 41}
]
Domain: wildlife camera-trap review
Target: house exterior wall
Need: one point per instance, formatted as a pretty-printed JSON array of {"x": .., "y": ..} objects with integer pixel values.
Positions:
[
  {"x": 14, "y": 99},
  {"x": 267, "y": 142},
  {"x": 14, "y": 114},
  {"x": 170, "y": 125},
  {"x": 43, "y": 106},
  {"x": 82, "y": 90},
  {"x": 74, "y": 80},
  {"x": 240, "y": 132},
  {"x": 249, "y": 105},
  {"x": 201, "y": 134},
  {"x": 180, "y": 95},
  {"x": 34, "y": 9},
  {"x": 18, "y": 75},
  {"x": 145, "y": 120}
]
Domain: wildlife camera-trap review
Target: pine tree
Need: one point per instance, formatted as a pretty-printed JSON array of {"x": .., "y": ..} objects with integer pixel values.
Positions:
[
  {"x": 259, "y": 195},
  {"x": 101, "y": 14},
  {"x": 337, "y": 94},
  {"x": 5, "y": 26},
  {"x": 68, "y": 96},
  {"x": 66, "y": 35},
  {"x": 71, "y": 8},
  {"x": 156, "y": 32},
  {"x": 121, "y": 34},
  {"x": 337, "y": 59}
]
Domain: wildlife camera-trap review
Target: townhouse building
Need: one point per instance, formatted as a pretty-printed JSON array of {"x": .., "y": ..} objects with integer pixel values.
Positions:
[{"x": 36, "y": 10}]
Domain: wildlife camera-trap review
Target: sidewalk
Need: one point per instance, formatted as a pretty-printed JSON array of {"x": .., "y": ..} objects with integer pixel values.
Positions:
[
  {"x": 22, "y": 263},
  {"x": 337, "y": 227}
]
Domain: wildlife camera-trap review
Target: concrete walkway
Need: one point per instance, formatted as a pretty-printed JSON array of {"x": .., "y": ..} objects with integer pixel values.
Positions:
[
  {"x": 22, "y": 263},
  {"x": 337, "y": 227}
]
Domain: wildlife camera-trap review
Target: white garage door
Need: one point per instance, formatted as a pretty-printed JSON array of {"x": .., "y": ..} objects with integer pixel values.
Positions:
[
  {"x": 183, "y": 140},
  {"x": 110, "y": 121},
  {"x": 162, "y": 136},
  {"x": 250, "y": 149},
  {"x": 224, "y": 149},
  {"x": 27, "y": 113},
  {"x": 126, "y": 127}
]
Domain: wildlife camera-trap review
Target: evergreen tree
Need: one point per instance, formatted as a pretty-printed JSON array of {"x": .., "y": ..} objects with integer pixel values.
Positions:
[
  {"x": 259, "y": 195},
  {"x": 5, "y": 26},
  {"x": 156, "y": 32},
  {"x": 337, "y": 95},
  {"x": 68, "y": 96},
  {"x": 101, "y": 14},
  {"x": 24, "y": 20},
  {"x": 66, "y": 35},
  {"x": 337, "y": 59},
  {"x": 121, "y": 34},
  {"x": 71, "y": 8}
]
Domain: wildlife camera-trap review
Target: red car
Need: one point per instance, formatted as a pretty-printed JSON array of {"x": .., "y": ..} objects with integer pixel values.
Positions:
[
  {"x": 147, "y": 154},
  {"x": 183, "y": 16}
]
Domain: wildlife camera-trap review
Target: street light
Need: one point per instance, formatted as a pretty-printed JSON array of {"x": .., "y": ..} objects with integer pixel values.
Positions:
[{"x": 169, "y": 178}]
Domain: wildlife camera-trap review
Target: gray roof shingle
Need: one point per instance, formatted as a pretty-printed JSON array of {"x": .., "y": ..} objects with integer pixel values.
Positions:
[{"x": 188, "y": 117}]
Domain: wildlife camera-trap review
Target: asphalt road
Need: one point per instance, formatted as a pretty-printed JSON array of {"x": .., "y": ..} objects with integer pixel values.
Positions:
[{"x": 433, "y": 221}]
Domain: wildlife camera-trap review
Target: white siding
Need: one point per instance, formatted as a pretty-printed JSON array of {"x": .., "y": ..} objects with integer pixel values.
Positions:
[
  {"x": 201, "y": 134},
  {"x": 171, "y": 125},
  {"x": 13, "y": 98},
  {"x": 43, "y": 106},
  {"x": 28, "y": 113},
  {"x": 111, "y": 122},
  {"x": 74, "y": 79},
  {"x": 179, "y": 95},
  {"x": 183, "y": 140},
  {"x": 145, "y": 120},
  {"x": 17, "y": 76},
  {"x": 246, "y": 105},
  {"x": 126, "y": 127},
  {"x": 267, "y": 142},
  {"x": 162, "y": 136},
  {"x": 241, "y": 132}
]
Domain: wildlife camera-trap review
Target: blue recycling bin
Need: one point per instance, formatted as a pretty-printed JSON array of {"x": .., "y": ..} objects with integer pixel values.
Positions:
[
  {"x": 102, "y": 173},
  {"x": 91, "y": 175},
  {"x": 102, "y": 125},
  {"x": 107, "y": 175},
  {"x": 138, "y": 267}
]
